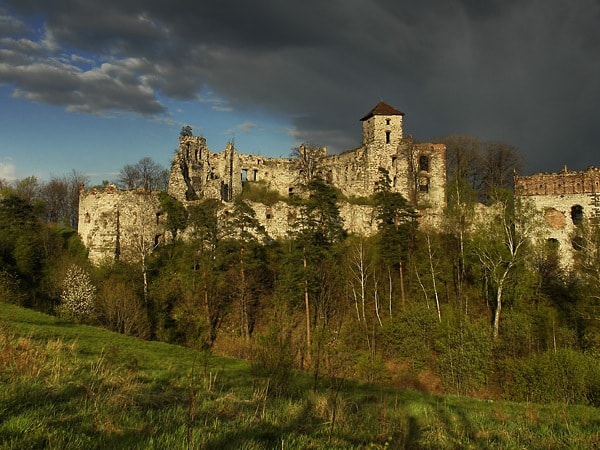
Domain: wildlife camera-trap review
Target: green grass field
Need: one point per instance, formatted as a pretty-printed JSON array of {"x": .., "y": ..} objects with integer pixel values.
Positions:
[{"x": 65, "y": 386}]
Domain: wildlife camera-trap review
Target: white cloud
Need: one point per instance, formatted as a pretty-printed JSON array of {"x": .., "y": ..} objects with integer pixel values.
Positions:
[{"x": 7, "y": 171}]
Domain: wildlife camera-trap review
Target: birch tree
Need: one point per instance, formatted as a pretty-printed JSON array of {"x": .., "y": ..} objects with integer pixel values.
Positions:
[{"x": 501, "y": 245}]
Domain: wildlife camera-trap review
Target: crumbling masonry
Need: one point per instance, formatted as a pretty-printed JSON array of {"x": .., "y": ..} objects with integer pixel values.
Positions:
[
  {"x": 566, "y": 200},
  {"x": 123, "y": 223}
]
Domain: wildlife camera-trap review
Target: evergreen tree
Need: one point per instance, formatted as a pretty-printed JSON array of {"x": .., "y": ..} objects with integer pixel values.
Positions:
[
  {"x": 397, "y": 225},
  {"x": 318, "y": 229}
]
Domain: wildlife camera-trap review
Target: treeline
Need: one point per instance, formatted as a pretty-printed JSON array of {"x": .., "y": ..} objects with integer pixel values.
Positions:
[{"x": 470, "y": 306}]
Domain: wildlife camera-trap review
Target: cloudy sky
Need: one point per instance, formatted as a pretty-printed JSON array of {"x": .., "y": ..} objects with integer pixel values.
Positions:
[{"x": 92, "y": 85}]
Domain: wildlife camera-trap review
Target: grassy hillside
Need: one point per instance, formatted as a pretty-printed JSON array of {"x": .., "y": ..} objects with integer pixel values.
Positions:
[{"x": 69, "y": 386}]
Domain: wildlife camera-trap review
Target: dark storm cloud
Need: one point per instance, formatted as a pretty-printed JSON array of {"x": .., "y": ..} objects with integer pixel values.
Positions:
[{"x": 525, "y": 72}]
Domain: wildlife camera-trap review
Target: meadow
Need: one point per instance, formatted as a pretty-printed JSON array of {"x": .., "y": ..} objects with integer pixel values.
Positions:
[{"x": 68, "y": 386}]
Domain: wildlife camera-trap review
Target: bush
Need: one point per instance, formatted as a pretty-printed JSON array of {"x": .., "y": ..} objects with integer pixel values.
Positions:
[
  {"x": 411, "y": 335},
  {"x": 272, "y": 357},
  {"x": 564, "y": 376},
  {"x": 119, "y": 309},
  {"x": 258, "y": 192},
  {"x": 11, "y": 290},
  {"x": 464, "y": 354}
]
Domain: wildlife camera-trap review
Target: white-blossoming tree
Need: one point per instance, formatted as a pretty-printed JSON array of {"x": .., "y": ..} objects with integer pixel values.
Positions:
[{"x": 78, "y": 294}]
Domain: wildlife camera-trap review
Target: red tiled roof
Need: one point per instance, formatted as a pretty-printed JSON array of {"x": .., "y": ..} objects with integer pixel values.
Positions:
[{"x": 382, "y": 109}]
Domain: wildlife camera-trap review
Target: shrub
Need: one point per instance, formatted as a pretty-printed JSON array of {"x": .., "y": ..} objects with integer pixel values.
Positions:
[
  {"x": 272, "y": 357},
  {"x": 564, "y": 376},
  {"x": 11, "y": 290},
  {"x": 465, "y": 354},
  {"x": 120, "y": 309},
  {"x": 258, "y": 191},
  {"x": 411, "y": 334}
]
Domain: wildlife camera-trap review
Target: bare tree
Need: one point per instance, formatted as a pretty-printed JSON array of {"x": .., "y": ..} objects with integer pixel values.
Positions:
[
  {"x": 309, "y": 162},
  {"x": 55, "y": 194},
  {"x": 61, "y": 198},
  {"x": 498, "y": 165},
  {"x": 463, "y": 158},
  {"x": 484, "y": 166},
  {"x": 145, "y": 174},
  {"x": 129, "y": 177}
]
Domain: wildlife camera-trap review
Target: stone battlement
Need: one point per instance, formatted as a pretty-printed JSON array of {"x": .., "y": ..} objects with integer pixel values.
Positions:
[{"x": 560, "y": 183}]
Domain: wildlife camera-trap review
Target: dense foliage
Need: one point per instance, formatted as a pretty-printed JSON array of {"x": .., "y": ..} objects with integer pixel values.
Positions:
[{"x": 468, "y": 307}]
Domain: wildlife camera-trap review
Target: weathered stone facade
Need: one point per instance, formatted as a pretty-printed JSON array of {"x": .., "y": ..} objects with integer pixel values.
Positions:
[
  {"x": 416, "y": 170},
  {"x": 565, "y": 199},
  {"x": 115, "y": 223}
]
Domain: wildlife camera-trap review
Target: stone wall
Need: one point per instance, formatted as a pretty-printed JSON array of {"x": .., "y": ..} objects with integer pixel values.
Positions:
[
  {"x": 119, "y": 224},
  {"x": 114, "y": 222},
  {"x": 565, "y": 200}
]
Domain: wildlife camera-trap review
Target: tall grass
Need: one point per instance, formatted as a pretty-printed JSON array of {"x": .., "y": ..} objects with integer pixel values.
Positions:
[{"x": 65, "y": 386}]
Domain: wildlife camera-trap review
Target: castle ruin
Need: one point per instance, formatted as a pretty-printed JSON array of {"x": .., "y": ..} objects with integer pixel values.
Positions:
[
  {"x": 566, "y": 200},
  {"x": 114, "y": 222}
]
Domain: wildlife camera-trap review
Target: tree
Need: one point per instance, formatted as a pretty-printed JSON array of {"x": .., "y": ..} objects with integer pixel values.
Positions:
[
  {"x": 458, "y": 219},
  {"x": 396, "y": 223},
  {"x": 55, "y": 197},
  {"x": 463, "y": 158},
  {"x": 501, "y": 245},
  {"x": 319, "y": 227},
  {"x": 19, "y": 240},
  {"x": 204, "y": 285},
  {"x": 145, "y": 174},
  {"x": 186, "y": 131},
  {"x": 175, "y": 211},
  {"x": 308, "y": 162},
  {"x": 587, "y": 277},
  {"x": 27, "y": 188},
  {"x": 485, "y": 166},
  {"x": 78, "y": 294},
  {"x": 120, "y": 309},
  {"x": 247, "y": 236},
  {"x": 61, "y": 198},
  {"x": 498, "y": 166}
]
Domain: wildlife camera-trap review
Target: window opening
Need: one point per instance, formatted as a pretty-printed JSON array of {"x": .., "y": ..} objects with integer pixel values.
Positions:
[
  {"x": 424, "y": 184},
  {"x": 387, "y": 137},
  {"x": 244, "y": 175},
  {"x": 577, "y": 214},
  {"x": 290, "y": 191},
  {"x": 424, "y": 163},
  {"x": 254, "y": 175},
  {"x": 224, "y": 192}
]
